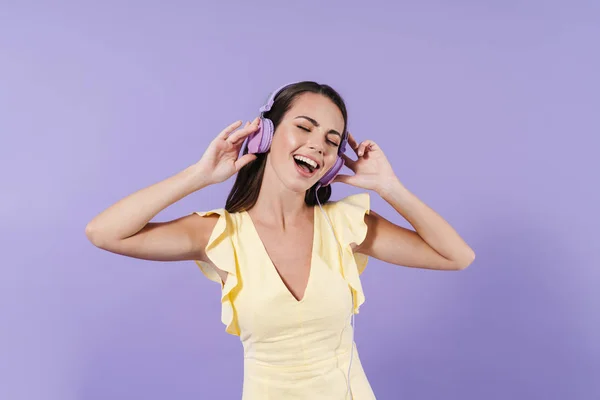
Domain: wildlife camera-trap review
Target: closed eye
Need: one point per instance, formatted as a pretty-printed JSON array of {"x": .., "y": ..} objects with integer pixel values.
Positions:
[{"x": 331, "y": 142}]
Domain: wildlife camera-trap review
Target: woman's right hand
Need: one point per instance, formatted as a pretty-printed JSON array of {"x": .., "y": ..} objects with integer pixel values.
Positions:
[{"x": 220, "y": 160}]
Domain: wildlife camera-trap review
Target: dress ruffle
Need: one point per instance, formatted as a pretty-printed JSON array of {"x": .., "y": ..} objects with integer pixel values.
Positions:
[
  {"x": 349, "y": 223},
  {"x": 221, "y": 252}
]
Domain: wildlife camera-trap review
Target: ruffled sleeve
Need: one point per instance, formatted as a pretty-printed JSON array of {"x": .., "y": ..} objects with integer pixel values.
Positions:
[
  {"x": 348, "y": 218},
  {"x": 221, "y": 252}
]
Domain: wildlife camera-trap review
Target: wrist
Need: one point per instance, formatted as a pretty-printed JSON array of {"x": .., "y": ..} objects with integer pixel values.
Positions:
[
  {"x": 390, "y": 187},
  {"x": 196, "y": 177}
]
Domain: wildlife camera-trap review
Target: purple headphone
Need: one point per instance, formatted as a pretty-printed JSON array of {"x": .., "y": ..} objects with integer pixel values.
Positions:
[{"x": 260, "y": 141}]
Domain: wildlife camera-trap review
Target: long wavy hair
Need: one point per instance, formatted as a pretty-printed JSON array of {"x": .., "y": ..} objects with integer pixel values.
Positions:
[{"x": 245, "y": 190}]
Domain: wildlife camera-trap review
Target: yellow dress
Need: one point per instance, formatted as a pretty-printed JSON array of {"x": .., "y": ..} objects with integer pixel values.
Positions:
[{"x": 294, "y": 349}]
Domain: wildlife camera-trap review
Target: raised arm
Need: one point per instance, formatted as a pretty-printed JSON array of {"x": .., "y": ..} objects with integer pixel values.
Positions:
[
  {"x": 434, "y": 244},
  {"x": 125, "y": 228}
]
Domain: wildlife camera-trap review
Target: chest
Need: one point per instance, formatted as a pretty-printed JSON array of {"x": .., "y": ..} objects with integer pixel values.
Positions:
[
  {"x": 290, "y": 256},
  {"x": 291, "y": 283}
]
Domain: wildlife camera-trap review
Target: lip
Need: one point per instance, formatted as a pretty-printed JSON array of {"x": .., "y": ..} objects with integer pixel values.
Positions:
[
  {"x": 311, "y": 158},
  {"x": 303, "y": 172}
]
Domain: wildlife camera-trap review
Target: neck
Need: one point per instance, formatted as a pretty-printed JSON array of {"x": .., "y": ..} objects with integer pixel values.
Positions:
[{"x": 277, "y": 205}]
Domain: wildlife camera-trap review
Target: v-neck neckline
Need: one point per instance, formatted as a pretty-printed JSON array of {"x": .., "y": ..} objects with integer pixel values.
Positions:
[{"x": 272, "y": 264}]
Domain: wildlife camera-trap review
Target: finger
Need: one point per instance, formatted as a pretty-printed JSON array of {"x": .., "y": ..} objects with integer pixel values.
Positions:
[
  {"x": 366, "y": 146},
  {"x": 362, "y": 147},
  {"x": 244, "y": 160},
  {"x": 225, "y": 132},
  {"x": 350, "y": 163},
  {"x": 352, "y": 142},
  {"x": 246, "y": 124},
  {"x": 244, "y": 132}
]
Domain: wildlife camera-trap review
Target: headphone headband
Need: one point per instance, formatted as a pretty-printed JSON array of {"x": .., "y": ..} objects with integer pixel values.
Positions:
[{"x": 271, "y": 100}]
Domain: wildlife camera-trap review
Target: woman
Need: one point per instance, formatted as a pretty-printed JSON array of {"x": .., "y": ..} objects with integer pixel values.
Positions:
[{"x": 288, "y": 261}]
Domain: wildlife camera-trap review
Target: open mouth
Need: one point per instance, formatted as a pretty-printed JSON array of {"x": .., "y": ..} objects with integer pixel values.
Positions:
[{"x": 305, "y": 164}]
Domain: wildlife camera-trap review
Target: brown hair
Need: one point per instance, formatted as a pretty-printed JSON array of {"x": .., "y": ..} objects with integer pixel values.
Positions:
[{"x": 245, "y": 190}]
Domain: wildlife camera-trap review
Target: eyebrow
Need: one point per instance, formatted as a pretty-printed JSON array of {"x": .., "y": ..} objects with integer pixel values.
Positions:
[{"x": 315, "y": 123}]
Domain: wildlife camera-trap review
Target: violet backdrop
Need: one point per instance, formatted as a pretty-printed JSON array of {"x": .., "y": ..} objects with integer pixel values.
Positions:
[{"x": 487, "y": 110}]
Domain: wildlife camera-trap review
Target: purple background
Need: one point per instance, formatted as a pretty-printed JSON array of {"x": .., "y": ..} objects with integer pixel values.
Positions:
[{"x": 489, "y": 113}]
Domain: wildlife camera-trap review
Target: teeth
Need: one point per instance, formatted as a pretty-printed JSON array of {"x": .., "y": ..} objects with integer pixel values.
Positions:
[{"x": 306, "y": 160}]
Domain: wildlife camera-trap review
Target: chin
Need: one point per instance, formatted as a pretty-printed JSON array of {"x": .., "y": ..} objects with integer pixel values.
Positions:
[{"x": 298, "y": 187}]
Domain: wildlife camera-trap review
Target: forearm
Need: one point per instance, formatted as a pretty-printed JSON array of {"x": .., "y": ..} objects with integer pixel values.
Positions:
[
  {"x": 430, "y": 226},
  {"x": 130, "y": 214}
]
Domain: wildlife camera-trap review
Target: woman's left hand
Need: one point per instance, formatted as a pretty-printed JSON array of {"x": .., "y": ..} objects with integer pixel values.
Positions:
[{"x": 372, "y": 170}]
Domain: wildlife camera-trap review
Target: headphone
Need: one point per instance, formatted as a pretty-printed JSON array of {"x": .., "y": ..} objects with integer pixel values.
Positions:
[{"x": 260, "y": 141}]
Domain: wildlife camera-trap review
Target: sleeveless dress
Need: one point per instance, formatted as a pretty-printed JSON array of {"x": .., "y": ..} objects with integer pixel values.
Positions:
[{"x": 294, "y": 349}]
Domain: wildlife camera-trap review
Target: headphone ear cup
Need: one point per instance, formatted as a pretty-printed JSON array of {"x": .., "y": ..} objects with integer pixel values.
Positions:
[
  {"x": 260, "y": 141},
  {"x": 332, "y": 173}
]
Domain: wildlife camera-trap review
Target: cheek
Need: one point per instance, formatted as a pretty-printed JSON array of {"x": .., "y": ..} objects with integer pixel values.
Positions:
[
  {"x": 283, "y": 140},
  {"x": 284, "y": 143},
  {"x": 281, "y": 148},
  {"x": 330, "y": 160}
]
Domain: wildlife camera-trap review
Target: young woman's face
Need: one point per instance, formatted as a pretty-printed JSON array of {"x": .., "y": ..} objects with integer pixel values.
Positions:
[{"x": 305, "y": 143}]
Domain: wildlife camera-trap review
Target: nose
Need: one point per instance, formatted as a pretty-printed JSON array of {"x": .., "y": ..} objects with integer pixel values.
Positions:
[{"x": 319, "y": 149}]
